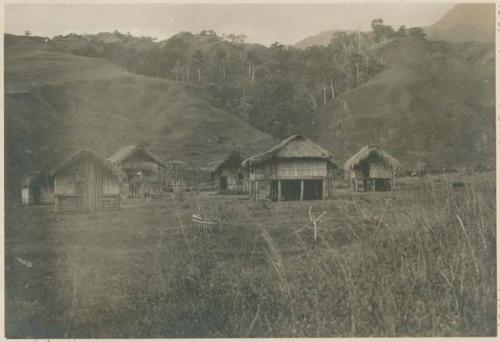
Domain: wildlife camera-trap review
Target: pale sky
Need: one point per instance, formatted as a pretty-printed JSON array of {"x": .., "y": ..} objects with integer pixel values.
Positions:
[{"x": 261, "y": 23}]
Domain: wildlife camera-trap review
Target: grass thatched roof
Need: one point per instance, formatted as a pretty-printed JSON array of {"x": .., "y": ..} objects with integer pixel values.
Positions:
[
  {"x": 233, "y": 160},
  {"x": 128, "y": 151},
  {"x": 371, "y": 151},
  {"x": 76, "y": 157},
  {"x": 292, "y": 147}
]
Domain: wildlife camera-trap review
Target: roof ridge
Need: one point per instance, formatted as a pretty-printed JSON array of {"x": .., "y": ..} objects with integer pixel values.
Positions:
[
  {"x": 365, "y": 152},
  {"x": 104, "y": 162},
  {"x": 270, "y": 153}
]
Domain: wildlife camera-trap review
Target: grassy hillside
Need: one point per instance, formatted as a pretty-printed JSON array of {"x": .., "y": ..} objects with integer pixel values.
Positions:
[
  {"x": 57, "y": 103},
  {"x": 466, "y": 22},
  {"x": 31, "y": 63},
  {"x": 432, "y": 106}
]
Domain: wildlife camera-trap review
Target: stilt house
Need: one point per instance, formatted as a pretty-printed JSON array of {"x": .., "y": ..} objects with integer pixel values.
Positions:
[
  {"x": 228, "y": 175},
  {"x": 86, "y": 182},
  {"x": 142, "y": 170},
  {"x": 295, "y": 169},
  {"x": 371, "y": 169}
]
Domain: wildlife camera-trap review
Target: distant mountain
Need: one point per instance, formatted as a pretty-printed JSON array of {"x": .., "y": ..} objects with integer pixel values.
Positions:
[
  {"x": 322, "y": 39},
  {"x": 57, "y": 103},
  {"x": 465, "y": 22},
  {"x": 433, "y": 106}
]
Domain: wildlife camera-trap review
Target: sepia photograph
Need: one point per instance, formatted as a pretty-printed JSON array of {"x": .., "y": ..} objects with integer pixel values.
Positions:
[{"x": 249, "y": 170}]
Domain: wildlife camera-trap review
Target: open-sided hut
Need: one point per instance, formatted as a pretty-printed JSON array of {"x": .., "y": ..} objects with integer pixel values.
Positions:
[
  {"x": 142, "y": 170},
  {"x": 37, "y": 188},
  {"x": 86, "y": 181},
  {"x": 295, "y": 169},
  {"x": 228, "y": 175},
  {"x": 371, "y": 169}
]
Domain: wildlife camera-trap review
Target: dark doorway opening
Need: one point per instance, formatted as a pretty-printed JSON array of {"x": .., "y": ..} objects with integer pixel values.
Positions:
[
  {"x": 382, "y": 184},
  {"x": 366, "y": 170},
  {"x": 313, "y": 189},
  {"x": 223, "y": 183},
  {"x": 37, "y": 194},
  {"x": 290, "y": 190}
]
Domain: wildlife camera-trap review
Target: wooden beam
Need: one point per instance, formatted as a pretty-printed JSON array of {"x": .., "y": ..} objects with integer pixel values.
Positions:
[
  {"x": 159, "y": 171},
  {"x": 279, "y": 190},
  {"x": 301, "y": 189}
]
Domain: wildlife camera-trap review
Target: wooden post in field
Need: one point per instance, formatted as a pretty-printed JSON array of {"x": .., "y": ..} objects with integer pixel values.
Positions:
[{"x": 315, "y": 221}]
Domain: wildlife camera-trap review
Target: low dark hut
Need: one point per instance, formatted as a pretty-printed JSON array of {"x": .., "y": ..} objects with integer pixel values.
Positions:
[
  {"x": 295, "y": 169},
  {"x": 371, "y": 169},
  {"x": 142, "y": 170},
  {"x": 37, "y": 188},
  {"x": 228, "y": 175},
  {"x": 86, "y": 181}
]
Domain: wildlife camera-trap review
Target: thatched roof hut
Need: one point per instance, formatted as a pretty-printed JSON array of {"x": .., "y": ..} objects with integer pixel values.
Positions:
[
  {"x": 371, "y": 152},
  {"x": 143, "y": 171},
  {"x": 86, "y": 181},
  {"x": 371, "y": 168},
  {"x": 295, "y": 146},
  {"x": 295, "y": 169}
]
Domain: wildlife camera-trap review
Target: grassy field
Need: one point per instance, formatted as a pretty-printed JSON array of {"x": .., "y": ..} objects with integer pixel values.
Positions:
[{"x": 419, "y": 261}]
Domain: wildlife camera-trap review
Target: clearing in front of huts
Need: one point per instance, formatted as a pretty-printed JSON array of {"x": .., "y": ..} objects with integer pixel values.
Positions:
[{"x": 416, "y": 261}]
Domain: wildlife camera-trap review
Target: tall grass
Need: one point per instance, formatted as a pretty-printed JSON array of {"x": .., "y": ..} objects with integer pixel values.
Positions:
[
  {"x": 415, "y": 262},
  {"x": 421, "y": 263}
]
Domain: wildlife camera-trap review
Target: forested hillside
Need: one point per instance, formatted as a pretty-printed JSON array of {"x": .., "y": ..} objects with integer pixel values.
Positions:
[{"x": 273, "y": 88}]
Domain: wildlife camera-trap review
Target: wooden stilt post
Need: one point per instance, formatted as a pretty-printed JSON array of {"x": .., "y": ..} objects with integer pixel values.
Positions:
[
  {"x": 279, "y": 190},
  {"x": 159, "y": 173},
  {"x": 301, "y": 189}
]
